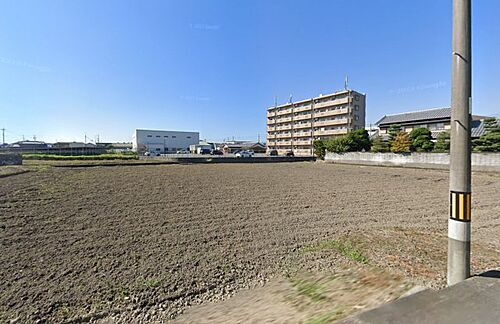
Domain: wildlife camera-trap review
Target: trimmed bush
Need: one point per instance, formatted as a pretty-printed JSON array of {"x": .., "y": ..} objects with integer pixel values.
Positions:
[
  {"x": 401, "y": 143},
  {"x": 421, "y": 140},
  {"x": 442, "y": 143},
  {"x": 379, "y": 145},
  {"x": 490, "y": 141}
]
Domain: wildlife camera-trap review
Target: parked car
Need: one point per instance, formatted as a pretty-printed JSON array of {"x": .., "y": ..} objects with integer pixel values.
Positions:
[
  {"x": 205, "y": 151},
  {"x": 182, "y": 152},
  {"x": 216, "y": 152},
  {"x": 244, "y": 154},
  {"x": 273, "y": 153},
  {"x": 289, "y": 153},
  {"x": 147, "y": 154}
]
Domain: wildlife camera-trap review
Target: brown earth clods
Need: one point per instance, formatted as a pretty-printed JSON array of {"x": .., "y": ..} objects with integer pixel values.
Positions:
[{"x": 144, "y": 243}]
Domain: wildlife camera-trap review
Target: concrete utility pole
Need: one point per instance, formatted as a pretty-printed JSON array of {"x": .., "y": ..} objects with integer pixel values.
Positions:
[
  {"x": 459, "y": 224},
  {"x": 3, "y": 136}
]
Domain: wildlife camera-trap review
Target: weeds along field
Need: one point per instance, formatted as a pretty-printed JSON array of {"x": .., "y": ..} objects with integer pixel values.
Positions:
[
  {"x": 145, "y": 243},
  {"x": 90, "y": 157}
]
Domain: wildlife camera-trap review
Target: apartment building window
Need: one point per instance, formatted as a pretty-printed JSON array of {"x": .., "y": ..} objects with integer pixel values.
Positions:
[
  {"x": 166, "y": 136},
  {"x": 356, "y": 97},
  {"x": 150, "y": 135},
  {"x": 188, "y": 137},
  {"x": 158, "y": 136},
  {"x": 356, "y": 117},
  {"x": 356, "y": 107},
  {"x": 174, "y": 136}
]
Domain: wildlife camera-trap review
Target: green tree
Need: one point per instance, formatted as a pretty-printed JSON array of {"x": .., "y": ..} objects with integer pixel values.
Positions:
[
  {"x": 379, "y": 145},
  {"x": 442, "y": 142},
  {"x": 490, "y": 141},
  {"x": 393, "y": 131},
  {"x": 339, "y": 144},
  {"x": 319, "y": 148},
  {"x": 421, "y": 140},
  {"x": 401, "y": 143},
  {"x": 359, "y": 140}
]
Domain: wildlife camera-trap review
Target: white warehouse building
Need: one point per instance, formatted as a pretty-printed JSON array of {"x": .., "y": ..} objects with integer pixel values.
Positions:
[{"x": 162, "y": 141}]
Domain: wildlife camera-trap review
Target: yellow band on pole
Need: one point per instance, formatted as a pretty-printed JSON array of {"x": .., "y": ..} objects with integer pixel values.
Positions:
[{"x": 460, "y": 206}]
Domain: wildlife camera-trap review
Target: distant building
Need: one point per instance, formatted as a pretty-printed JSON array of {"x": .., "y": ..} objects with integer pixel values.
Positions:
[
  {"x": 372, "y": 130},
  {"x": 162, "y": 141},
  {"x": 436, "y": 120},
  {"x": 295, "y": 125},
  {"x": 29, "y": 145},
  {"x": 233, "y": 146},
  {"x": 200, "y": 147},
  {"x": 117, "y": 147},
  {"x": 73, "y": 145}
]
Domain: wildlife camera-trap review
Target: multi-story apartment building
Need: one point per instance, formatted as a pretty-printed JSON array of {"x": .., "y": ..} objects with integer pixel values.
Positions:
[{"x": 295, "y": 125}]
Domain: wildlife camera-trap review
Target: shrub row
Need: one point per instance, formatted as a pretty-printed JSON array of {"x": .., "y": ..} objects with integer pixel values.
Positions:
[{"x": 29, "y": 156}]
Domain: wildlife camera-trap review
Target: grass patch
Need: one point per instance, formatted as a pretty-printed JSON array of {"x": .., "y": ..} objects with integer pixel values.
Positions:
[
  {"x": 345, "y": 248},
  {"x": 55, "y": 157},
  {"x": 310, "y": 289},
  {"x": 151, "y": 283}
]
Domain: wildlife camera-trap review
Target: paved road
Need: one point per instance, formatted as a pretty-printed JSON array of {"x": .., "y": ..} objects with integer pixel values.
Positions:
[{"x": 476, "y": 300}]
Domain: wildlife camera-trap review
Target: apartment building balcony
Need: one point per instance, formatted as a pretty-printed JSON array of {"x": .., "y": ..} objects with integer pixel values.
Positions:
[
  {"x": 302, "y": 134},
  {"x": 331, "y": 112},
  {"x": 304, "y": 108},
  {"x": 271, "y": 122},
  {"x": 300, "y": 126},
  {"x": 271, "y": 113},
  {"x": 284, "y": 120},
  {"x": 284, "y": 112},
  {"x": 270, "y": 128},
  {"x": 283, "y": 143},
  {"x": 271, "y": 136},
  {"x": 271, "y": 143},
  {"x": 302, "y": 142},
  {"x": 283, "y": 127},
  {"x": 331, "y": 122},
  {"x": 335, "y": 102},
  {"x": 302, "y": 117},
  {"x": 331, "y": 132},
  {"x": 287, "y": 135},
  {"x": 302, "y": 151}
]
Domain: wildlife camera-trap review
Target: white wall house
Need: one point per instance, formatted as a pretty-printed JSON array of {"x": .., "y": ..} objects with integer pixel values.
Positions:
[{"x": 161, "y": 141}]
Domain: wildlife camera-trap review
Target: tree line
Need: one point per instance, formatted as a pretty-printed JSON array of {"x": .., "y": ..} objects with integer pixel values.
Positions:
[{"x": 418, "y": 140}]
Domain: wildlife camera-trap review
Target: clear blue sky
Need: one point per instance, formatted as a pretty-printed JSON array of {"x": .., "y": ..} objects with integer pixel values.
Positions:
[{"x": 107, "y": 67}]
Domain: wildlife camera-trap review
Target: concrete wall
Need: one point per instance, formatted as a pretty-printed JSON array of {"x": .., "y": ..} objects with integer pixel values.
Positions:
[
  {"x": 10, "y": 159},
  {"x": 232, "y": 159},
  {"x": 480, "y": 161}
]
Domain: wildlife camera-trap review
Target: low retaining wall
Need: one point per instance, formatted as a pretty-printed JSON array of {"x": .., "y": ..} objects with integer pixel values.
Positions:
[
  {"x": 480, "y": 161},
  {"x": 230, "y": 159},
  {"x": 10, "y": 159}
]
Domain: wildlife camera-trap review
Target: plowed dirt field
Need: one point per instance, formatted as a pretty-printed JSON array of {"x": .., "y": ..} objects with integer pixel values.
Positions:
[{"x": 143, "y": 243}]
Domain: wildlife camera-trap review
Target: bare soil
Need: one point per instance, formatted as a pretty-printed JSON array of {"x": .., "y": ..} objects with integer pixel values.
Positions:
[{"x": 146, "y": 243}]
